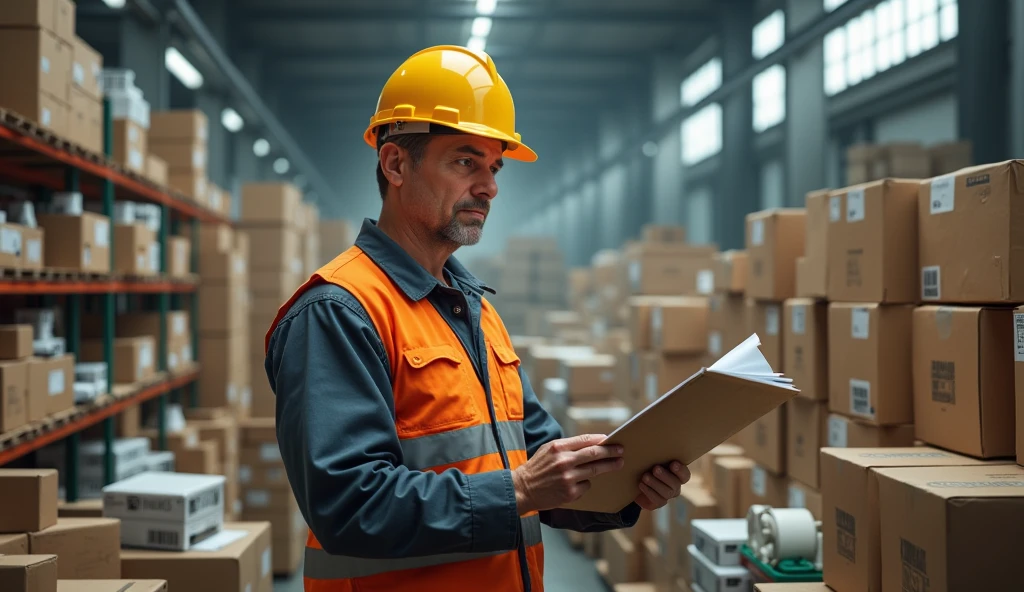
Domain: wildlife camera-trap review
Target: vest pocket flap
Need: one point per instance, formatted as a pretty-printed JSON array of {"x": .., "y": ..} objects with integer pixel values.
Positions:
[
  {"x": 505, "y": 355},
  {"x": 421, "y": 356}
]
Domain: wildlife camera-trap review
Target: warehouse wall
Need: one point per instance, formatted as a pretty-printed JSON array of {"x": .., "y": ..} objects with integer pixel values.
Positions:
[
  {"x": 806, "y": 124},
  {"x": 929, "y": 122}
]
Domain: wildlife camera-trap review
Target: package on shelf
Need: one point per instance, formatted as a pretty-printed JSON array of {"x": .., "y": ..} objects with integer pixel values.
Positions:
[
  {"x": 764, "y": 440},
  {"x": 179, "y": 260},
  {"x": 731, "y": 478},
  {"x": 775, "y": 238},
  {"x": 136, "y": 246},
  {"x": 157, "y": 170},
  {"x": 87, "y": 70},
  {"x": 37, "y": 71},
  {"x": 30, "y": 500},
  {"x": 85, "y": 121},
  {"x": 167, "y": 511},
  {"x": 805, "y": 346},
  {"x": 51, "y": 385},
  {"x": 729, "y": 269},
  {"x": 77, "y": 242},
  {"x": 15, "y": 341},
  {"x": 191, "y": 184},
  {"x": 806, "y": 433},
  {"x": 180, "y": 154},
  {"x": 130, "y": 145},
  {"x": 847, "y": 432},
  {"x": 812, "y": 269},
  {"x": 14, "y": 380},
  {"x": 709, "y": 576},
  {"x": 42, "y": 320},
  {"x": 765, "y": 489},
  {"x": 180, "y": 126},
  {"x": 765, "y": 318},
  {"x": 11, "y": 245},
  {"x": 134, "y": 357},
  {"x": 680, "y": 326},
  {"x": 67, "y": 203},
  {"x": 29, "y": 573},
  {"x": 666, "y": 268},
  {"x": 128, "y": 453}
]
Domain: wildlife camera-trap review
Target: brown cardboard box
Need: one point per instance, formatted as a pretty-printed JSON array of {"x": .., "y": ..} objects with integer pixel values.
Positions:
[
  {"x": 11, "y": 245},
  {"x": 13, "y": 544},
  {"x": 807, "y": 431},
  {"x": 64, "y": 20},
  {"x": 185, "y": 126},
  {"x": 971, "y": 234},
  {"x": 860, "y": 162},
  {"x": 727, "y": 323},
  {"x": 667, "y": 269},
  {"x": 28, "y": 573},
  {"x": 765, "y": 319},
  {"x": 111, "y": 586},
  {"x": 15, "y": 342},
  {"x": 277, "y": 284},
  {"x": 732, "y": 478},
  {"x": 731, "y": 269},
  {"x": 179, "y": 263},
  {"x": 850, "y": 501},
  {"x": 640, "y": 308},
  {"x": 30, "y": 13},
  {"x": 191, "y": 184},
  {"x": 767, "y": 440},
  {"x": 46, "y": 111},
  {"x": 707, "y": 463},
  {"x": 625, "y": 561},
  {"x": 870, "y": 373},
  {"x": 157, "y": 170},
  {"x": 694, "y": 503},
  {"x": 775, "y": 238},
  {"x": 222, "y": 431},
  {"x": 802, "y": 496},
  {"x": 215, "y": 267},
  {"x": 13, "y": 394},
  {"x": 134, "y": 357},
  {"x": 950, "y": 157},
  {"x": 87, "y": 548},
  {"x": 933, "y": 522},
  {"x": 231, "y": 569},
  {"x": 51, "y": 385},
  {"x": 845, "y": 432},
  {"x": 662, "y": 372},
  {"x": 38, "y": 63},
  {"x": 177, "y": 442},
  {"x": 270, "y": 204},
  {"x": 899, "y": 159},
  {"x": 658, "y": 569},
  {"x": 765, "y": 488},
  {"x": 222, "y": 309},
  {"x": 130, "y": 145},
  {"x": 220, "y": 378},
  {"x": 274, "y": 249},
  {"x": 1018, "y": 370},
  {"x": 963, "y": 379},
  {"x": 77, "y": 242},
  {"x": 871, "y": 246},
  {"x": 805, "y": 341},
  {"x": 86, "y": 68},
  {"x": 28, "y": 499},
  {"x": 32, "y": 252},
  {"x": 812, "y": 274},
  {"x": 655, "y": 233},
  {"x": 217, "y": 237},
  {"x": 180, "y": 156},
  {"x": 202, "y": 459},
  {"x": 134, "y": 247},
  {"x": 589, "y": 379},
  {"x": 85, "y": 121},
  {"x": 680, "y": 327}
]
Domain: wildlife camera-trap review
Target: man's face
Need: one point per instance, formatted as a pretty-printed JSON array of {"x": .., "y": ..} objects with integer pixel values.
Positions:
[{"x": 450, "y": 192}]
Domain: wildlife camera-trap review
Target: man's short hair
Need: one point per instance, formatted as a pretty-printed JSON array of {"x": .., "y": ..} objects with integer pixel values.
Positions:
[{"x": 414, "y": 144}]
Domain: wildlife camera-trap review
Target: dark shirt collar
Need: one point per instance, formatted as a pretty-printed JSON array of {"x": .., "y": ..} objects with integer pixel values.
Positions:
[{"x": 405, "y": 271}]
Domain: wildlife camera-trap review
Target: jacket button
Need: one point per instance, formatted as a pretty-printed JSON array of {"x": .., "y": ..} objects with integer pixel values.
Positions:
[
  {"x": 417, "y": 359},
  {"x": 457, "y": 310}
]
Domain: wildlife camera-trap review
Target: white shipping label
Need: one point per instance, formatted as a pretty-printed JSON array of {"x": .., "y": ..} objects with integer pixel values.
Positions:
[
  {"x": 270, "y": 452},
  {"x": 154, "y": 257},
  {"x": 797, "y": 497},
  {"x": 86, "y": 256},
  {"x": 656, "y": 322},
  {"x": 799, "y": 325},
  {"x": 257, "y": 498},
  {"x": 771, "y": 320},
  {"x": 1018, "y": 338},
  {"x": 296, "y": 265},
  {"x": 860, "y": 398},
  {"x": 198, "y": 159},
  {"x": 652, "y": 386},
  {"x": 34, "y": 250},
  {"x": 179, "y": 325},
  {"x": 101, "y": 233},
  {"x": 192, "y": 440},
  {"x": 931, "y": 283},
  {"x": 146, "y": 356},
  {"x": 705, "y": 282},
  {"x": 186, "y": 353},
  {"x": 44, "y": 64},
  {"x": 133, "y": 134},
  {"x": 239, "y": 265},
  {"x": 78, "y": 73},
  {"x": 943, "y": 190},
  {"x": 757, "y": 233},
  {"x": 860, "y": 322},
  {"x": 140, "y": 261},
  {"x": 172, "y": 361},
  {"x": 663, "y": 519},
  {"x": 759, "y": 482},
  {"x": 244, "y": 474},
  {"x": 265, "y": 568},
  {"x": 835, "y": 208},
  {"x": 715, "y": 343},
  {"x": 10, "y": 241},
  {"x": 135, "y": 159},
  {"x": 855, "y": 205},
  {"x": 232, "y": 393},
  {"x": 55, "y": 383},
  {"x": 634, "y": 274},
  {"x": 836, "y": 432}
]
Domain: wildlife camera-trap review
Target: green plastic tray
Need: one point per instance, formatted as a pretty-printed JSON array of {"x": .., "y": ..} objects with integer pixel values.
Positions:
[{"x": 787, "y": 572}]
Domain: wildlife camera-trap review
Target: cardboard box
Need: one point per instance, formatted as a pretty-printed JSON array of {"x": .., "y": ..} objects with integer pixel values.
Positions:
[
  {"x": 92, "y": 508},
  {"x": 85, "y": 121},
  {"x": 13, "y": 394},
  {"x": 51, "y": 385},
  {"x": 850, "y": 499},
  {"x": 134, "y": 357},
  {"x": 31, "y": 13},
  {"x": 28, "y": 573},
  {"x": 775, "y": 238},
  {"x": 949, "y": 157},
  {"x": 15, "y": 342},
  {"x": 802, "y": 496},
  {"x": 807, "y": 431},
  {"x": 707, "y": 463},
  {"x": 192, "y": 184},
  {"x": 185, "y": 126},
  {"x": 86, "y": 68},
  {"x": 871, "y": 245},
  {"x": 971, "y": 232},
  {"x": 765, "y": 319},
  {"x": 933, "y": 522},
  {"x": 221, "y": 377},
  {"x": 767, "y": 442},
  {"x": 640, "y": 308},
  {"x": 87, "y": 548},
  {"x": 656, "y": 233},
  {"x": 625, "y": 561},
  {"x": 860, "y": 162},
  {"x": 275, "y": 249},
  {"x": 666, "y": 269},
  {"x": 727, "y": 323},
  {"x": 845, "y": 432},
  {"x": 170, "y": 504},
  {"x": 136, "y": 247},
  {"x": 32, "y": 252},
  {"x": 731, "y": 269},
  {"x": 38, "y": 62},
  {"x": 13, "y": 544},
  {"x": 77, "y": 242},
  {"x": 11, "y": 245},
  {"x": 963, "y": 379},
  {"x": 1018, "y": 370},
  {"x": 812, "y": 274},
  {"x": 222, "y": 431},
  {"x": 765, "y": 488},
  {"x": 732, "y": 477},
  {"x": 662, "y": 372},
  {"x": 589, "y": 379},
  {"x": 179, "y": 262},
  {"x": 111, "y": 586},
  {"x": 157, "y": 170},
  {"x": 181, "y": 156},
  {"x": 805, "y": 340},
  {"x": 218, "y": 267},
  {"x": 870, "y": 372},
  {"x": 222, "y": 309},
  {"x": 901, "y": 159},
  {"x": 202, "y": 459},
  {"x": 694, "y": 503},
  {"x": 28, "y": 500},
  {"x": 130, "y": 145},
  {"x": 680, "y": 327},
  {"x": 270, "y": 204}
]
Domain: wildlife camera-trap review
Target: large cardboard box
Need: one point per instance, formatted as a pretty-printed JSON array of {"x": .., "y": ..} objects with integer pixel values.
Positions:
[
  {"x": 765, "y": 440},
  {"x": 933, "y": 522},
  {"x": 694, "y": 503},
  {"x": 223, "y": 267},
  {"x": 624, "y": 557},
  {"x": 85, "y": 121},
  {"x": 86, "y": 69},
  {"x": 15, "y": 342},
  {"x": 192, "y": 184},
  {"x": 130, "y": 145},
  {"x": 1018, "y": 370},
  {"x": 972, "y": 235},
  {"x": 87, "y": 548},
  {"x": 963, "y": 379},
  {"x": 640, "y": 308},
  {"x": 871, "y": 246},
  {"x": 732, "y": 478},
  {"x": 157, "y": 170},
  {"x": 13, "y": 544},
  {"x": 775, "y": 238},
  {"x": 662, "y": 372},
  {"x": 222, "y": 309},
  {"x": 134, "y": 357},
  {"x": 808, "y": 498},
  {"x": 28, "y": 573},
  {"x": 667, "y": 268},
  {"x": 37, "y": 61},
  {"x": 181, "y": 156},
  {"x": 869, "y": 352},
  {"x": 727, "y": 323},
  {"x": 730, "y": 270},
  {"x": 705, "y": 465},
  {"x": 51, "y": 385},
  {"x": 28, "y": 500},
  {"x": 185, "y": 126},
  {"x": 274, "y": 249},
  {"x": 270, "y": 204},
  {"x": 812, "y": 274},
  {"x": 807, "y": 431},
  {"x": 13, "y": 394},
  {"x": 765, "y": 489},
  {"x": 137, "y": 252},
  {"x": 222, "y": 375},
  {"x": 11, "y": 245},
  {"x": 77, "y": 242},
  {"x": 589, "y": 379},
  {"x": 850, "y": 498},
  {"x": 680, "y": 327},
  {"x": 846, "y": 432},
  {"x": 765, "y": 319},
  {"x": 805, "y": 345}
]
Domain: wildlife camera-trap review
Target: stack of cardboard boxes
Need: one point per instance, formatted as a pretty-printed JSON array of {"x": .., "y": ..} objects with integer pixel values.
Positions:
[
  {"x": 532, "y": 283},
  {"x": 74, "y": 239},
  {"x": 220, "y": 426},
  {"x": 335, "y": 236},
  {"x": 906, "y": 160},
  {"x": 179, "y": 138},
  {"x": 136, "y": 336},
  {"x": 273, "y": 216},
  {"x": 21, "y": 238}
]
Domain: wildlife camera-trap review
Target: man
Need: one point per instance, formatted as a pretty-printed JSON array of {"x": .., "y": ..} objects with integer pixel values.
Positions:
[{"x": 416, "y": 448}]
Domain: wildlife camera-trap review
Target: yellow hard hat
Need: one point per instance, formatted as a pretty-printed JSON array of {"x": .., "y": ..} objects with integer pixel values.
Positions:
[{"x": 452, "y": 87}]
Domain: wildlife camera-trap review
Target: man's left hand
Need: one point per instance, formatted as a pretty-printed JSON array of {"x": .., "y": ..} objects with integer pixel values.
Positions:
[{"x": 661, "y": 484}]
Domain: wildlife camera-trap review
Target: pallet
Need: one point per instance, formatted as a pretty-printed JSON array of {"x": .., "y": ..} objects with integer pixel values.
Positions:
[
  {"x": 38, "y": 428},
  {"x": 52, "y": 274}
]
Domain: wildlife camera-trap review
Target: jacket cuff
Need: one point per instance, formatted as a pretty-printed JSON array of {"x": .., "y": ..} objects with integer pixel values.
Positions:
[{"x": 492, "y": 500}]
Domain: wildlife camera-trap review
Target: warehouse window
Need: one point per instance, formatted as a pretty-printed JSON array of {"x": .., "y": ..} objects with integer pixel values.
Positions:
[
  {"x": 886, "y": 36},
  {"x": 769, "y": 98},
  {"x": 831, "y": 5},
  {"x": 702, "y": 134},
  {"x": 704, "y": 81},
  {"x": 769, "y": 34}
]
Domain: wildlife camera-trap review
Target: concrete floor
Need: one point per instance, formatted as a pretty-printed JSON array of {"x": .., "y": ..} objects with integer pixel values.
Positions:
[{"x": 565, "y": 569}]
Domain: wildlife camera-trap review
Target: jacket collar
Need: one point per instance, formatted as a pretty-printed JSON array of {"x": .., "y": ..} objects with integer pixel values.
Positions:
[{"x": 415, "y": 281}]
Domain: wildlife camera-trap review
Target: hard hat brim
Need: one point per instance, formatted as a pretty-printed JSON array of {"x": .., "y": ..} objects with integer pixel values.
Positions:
[{"x": 516, "y": 150}]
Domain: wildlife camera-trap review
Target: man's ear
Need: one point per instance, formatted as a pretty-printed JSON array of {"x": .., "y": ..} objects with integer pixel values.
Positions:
[{"x": 391, "y": 159}]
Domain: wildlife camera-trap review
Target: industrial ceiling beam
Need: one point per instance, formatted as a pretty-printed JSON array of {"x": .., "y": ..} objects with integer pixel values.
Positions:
[{"x": 294, "y": 52}]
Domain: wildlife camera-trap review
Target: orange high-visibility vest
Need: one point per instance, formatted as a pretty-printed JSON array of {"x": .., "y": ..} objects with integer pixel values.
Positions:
[{"x": 439, "y": 403}]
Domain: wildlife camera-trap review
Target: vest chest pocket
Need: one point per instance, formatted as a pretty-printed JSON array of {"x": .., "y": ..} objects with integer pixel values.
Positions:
[
  {"x": 433, "y": 389},
  {"x": 511, "y": 385}
]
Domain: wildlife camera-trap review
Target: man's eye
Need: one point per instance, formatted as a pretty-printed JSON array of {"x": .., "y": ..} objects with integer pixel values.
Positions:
[
  {"x": 465, "y": 162},
  {"x": 494, "y": 170}
]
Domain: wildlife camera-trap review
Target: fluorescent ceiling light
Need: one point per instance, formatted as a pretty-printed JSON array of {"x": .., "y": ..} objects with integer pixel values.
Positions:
[
  {"x": 482, "y": 26},
  {"x": 114, "y": 3},
  {"x": 231, "y": 120},
  {"x": 261, "y": 147},
  {"x": 477, "y": 43},
  {"x": 486, "y": 6},
  {"x": 182, "y": 69},
  {"x": 281, "y": 166}
]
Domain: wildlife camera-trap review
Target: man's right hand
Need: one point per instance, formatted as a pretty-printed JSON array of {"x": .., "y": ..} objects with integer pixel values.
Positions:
[{"x": 561, "y": 470}]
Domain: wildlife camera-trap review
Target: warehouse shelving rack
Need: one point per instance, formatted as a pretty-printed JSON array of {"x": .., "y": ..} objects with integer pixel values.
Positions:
[{"x": 44, "y": 162}]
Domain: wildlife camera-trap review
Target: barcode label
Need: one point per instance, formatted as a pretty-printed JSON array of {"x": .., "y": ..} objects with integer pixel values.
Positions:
[
  {"x": 930, "y": 283},
  {"x": 836, "y": 432},
  {"x": 860, "y": 323},
  {"x": 942, "y": 194},
  {"x": 758, "y": 482},
  {"x": 860, "y": 398},
  {"x": 771, "y": 320},
  {"x": 855, "y": 205},
  {"x": 799, "y": 324},
  {"x": 797, "y": 497},
  {"x": 163, "y": 538},
  {"x": 757, "y": 233},
  {"x": 1018, "y": 324},
  {"x": 705, "y": 282},
  {"x": 835, "y": 208}
]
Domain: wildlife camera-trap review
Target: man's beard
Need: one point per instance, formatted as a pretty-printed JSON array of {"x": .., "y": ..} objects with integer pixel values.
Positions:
[{"x": 465, "y": 233}]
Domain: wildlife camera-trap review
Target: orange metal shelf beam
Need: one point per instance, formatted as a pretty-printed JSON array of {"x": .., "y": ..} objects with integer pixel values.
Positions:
[
  {"x": 92, "y": 287},
  {"x": 95, "y": 417}
]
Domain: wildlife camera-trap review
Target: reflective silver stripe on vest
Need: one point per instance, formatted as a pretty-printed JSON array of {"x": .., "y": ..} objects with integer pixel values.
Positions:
[
  {"x": 459, "y": 445},
  {"x": 320, "y": 565}
]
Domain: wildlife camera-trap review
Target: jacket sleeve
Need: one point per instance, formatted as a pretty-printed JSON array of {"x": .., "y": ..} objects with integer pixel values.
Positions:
[
  {"x": 540, "y": 428},
  {"x": 336, "y": 431}
]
